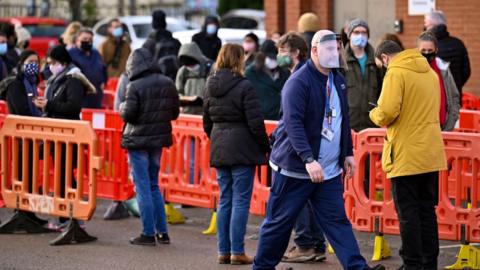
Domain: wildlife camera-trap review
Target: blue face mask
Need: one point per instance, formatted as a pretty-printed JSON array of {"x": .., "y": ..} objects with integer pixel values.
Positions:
[
  {"x": 3, "y": 48},
  {"x": 211, "y": 29},
  {"x": 359, "y": 40},
  {"x": 117, "y": 32},
  {"x": 31, "y": 70}
]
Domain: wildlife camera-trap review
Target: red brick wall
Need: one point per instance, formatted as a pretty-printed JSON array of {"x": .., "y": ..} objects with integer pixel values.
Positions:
[
  {"x": 283, "y": 15},
  {"x": 463, "y": 21}
]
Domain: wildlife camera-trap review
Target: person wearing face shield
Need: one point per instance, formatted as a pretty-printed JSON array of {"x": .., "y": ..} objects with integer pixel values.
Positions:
[
  {"x": 207, "y": 39},
  {"x": 115, "y": 49},
  {"x": 449, "y": 103},
  {"x": 268, "y": 78},
  {"x": 313, "y": 148},
  {"x": 89, "y": 60},
  {"x": 413, "y": 150}
]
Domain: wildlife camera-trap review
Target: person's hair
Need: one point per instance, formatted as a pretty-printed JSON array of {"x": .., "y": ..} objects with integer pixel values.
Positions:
[
  {"x": 8, "y": 29},
  {"x": 387, "y": 47},
  {"x": 254, "y": 37},
  {"x": 85, "y": 30},
  {"x": 428, "y": 36},
  {"x": 111, "y": 21},
  {"x": 437, "y": 17},
  {"x": 295, "y": 42},
  {"x": 2, "y": 34},
  {"x": 230, "y": 57},
  {"x": 71, "y": 32},
  {"x": 392, "y": 37}
]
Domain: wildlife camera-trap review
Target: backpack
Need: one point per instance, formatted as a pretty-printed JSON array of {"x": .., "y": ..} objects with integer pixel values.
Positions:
[{"x": 166, "y": 51}]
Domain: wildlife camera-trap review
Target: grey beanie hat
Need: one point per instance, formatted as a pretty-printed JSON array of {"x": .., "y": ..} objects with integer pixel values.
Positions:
[{"x": 356, "y": 23}]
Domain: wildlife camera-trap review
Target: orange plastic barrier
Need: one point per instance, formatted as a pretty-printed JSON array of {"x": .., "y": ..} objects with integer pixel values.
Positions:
[
  {"x": 113, "y": 181},
  {"x": 469, "y": 120},
  {"x": 470, "y": 101},
  {"x": 108, "y": 100},
  {"x": 176, "y": 179},
  {"x": 262, "y": 182},
  {"x": 458, "y": 187},
  {"x": 51, "y": 140},
  {"x": 3, "y": 115},
  {"x": 112, "y": 84}
]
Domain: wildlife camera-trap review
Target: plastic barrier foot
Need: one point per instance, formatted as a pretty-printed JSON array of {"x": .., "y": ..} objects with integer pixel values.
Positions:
[
  {"x": 132, "y": 206},
  {"x": 330, "y": 249},
  {"x": 468, "y": 258},
  {"x": 73, "y": 234},
  {"x": 173, "y": 215},
  {"x": 381, "y": 249},
  {"x": 115, "y": 211},
  {"x": 212, "y": 229},
  {"x": 20, "y": 222}
]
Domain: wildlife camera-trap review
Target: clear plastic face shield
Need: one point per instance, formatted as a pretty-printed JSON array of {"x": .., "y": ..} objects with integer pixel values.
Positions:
[{"x": 330, "y": 52}]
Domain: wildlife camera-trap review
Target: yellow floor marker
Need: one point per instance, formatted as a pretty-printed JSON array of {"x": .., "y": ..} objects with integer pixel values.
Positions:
[
  {"x": 330, "y": 249},
  {"x": 381, "y": 249},
  {"x": 468, "y": 258},
  {"x": 173, "y": 215},
  {"x": 212, "y": 229}
]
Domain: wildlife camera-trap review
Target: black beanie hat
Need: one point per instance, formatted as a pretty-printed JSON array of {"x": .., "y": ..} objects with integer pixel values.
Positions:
[
  {"x": 60, "y": 54},
  {"x": 158, "y": 20},
  {"x": 269, "y": 49},
  {"x": 24, "y": 55}
]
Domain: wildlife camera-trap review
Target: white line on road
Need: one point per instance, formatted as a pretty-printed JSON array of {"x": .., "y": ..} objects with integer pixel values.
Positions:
[{"x": 457, "y": 246}]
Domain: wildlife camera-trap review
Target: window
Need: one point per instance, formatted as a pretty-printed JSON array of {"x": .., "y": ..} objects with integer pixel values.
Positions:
[
  {"x": 239, "y": 23},
  {"x": 43, "y": 30}
]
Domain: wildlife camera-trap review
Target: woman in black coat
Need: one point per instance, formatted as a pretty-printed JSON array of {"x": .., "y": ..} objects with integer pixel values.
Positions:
[
  {"x": 234, "y": 123},
  {"x": 19, "y": 91},
  {"x": 66, "y": 89}
]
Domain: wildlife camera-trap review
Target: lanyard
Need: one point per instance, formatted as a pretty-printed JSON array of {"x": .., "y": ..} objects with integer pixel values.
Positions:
[{"x": 329, "y": 101}]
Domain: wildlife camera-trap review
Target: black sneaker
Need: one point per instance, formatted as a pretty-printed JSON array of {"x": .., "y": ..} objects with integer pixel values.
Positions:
[
  {"x": 163, "y": 238},
  {"x": 377, "y": 267},
  {"x": 143, "y": 240}
]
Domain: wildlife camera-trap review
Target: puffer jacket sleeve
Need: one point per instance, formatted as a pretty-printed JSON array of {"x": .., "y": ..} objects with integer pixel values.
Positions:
[
  {"x": 390, "y": 101},
  {"x": 254, "y": 117},
  {"x": 207, "y": 121},
  {"x": 173, "y": 95},
  {"x": 129, "y": 110},
  {"x": 73, "y": 103}
]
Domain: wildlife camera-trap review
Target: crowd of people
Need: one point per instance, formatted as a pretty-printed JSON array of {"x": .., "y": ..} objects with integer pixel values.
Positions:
[{"x": 319, "y": 85}]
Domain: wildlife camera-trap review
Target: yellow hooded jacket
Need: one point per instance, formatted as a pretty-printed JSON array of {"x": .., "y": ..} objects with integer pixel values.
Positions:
[{"x": 408, "y": 106}]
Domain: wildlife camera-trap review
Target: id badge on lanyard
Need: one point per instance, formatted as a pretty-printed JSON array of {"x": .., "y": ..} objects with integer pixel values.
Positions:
[{"x": 330, "y": 112}]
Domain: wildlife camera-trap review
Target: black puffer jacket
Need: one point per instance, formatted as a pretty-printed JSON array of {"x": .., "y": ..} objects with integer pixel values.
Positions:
[
  {"x": 151, "y": 104},
  {"x": 233, "y": 121},
  {"x": 452, "y": 50}
]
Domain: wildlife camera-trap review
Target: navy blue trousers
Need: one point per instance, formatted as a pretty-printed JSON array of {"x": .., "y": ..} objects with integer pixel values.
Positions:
[{"x": 288, "y": 196}]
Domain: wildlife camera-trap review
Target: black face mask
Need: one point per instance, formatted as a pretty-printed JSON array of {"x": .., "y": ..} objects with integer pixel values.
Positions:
[
  {"x": 430, "y": 56},
  {"x": 86, "y": 46}
]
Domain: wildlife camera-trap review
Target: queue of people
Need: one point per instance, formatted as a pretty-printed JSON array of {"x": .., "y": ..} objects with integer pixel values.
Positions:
[{"x": 317, "y": 90}]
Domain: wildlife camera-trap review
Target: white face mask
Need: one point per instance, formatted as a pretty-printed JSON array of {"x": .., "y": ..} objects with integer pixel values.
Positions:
[{"x": 271, "y": 63}]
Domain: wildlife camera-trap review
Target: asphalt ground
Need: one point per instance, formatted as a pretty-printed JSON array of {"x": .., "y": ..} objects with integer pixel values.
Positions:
[{"x": 190, "y": 249}]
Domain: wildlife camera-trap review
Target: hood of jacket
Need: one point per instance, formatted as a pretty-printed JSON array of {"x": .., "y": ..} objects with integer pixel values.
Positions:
[
  {"x": 410, "y": 59},
  {"x": 440, "y": 31},
  {"x": 140, "y": 61},
  {"x": 76, "y": 73},
  {"x": 208, "y": 20},
  {"x": 192, "y": 50},
  {"x": 222, "y": 81}
]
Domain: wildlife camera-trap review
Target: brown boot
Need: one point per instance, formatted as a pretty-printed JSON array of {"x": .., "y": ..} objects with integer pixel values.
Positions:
[
  {"x": 224, "y": 259},
  {"x": 240, "y": 259}
]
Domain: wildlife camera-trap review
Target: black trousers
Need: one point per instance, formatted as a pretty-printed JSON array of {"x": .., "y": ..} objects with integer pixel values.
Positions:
[{"x": 415, "y": 198}]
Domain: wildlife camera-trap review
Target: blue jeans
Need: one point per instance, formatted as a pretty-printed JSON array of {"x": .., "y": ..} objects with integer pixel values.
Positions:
[
  {"x": 145, "y": 166},
  {"x": 308, "y": 233},
  {"x": 288, "y": 196},
  {"x": 236, "y": 184}
]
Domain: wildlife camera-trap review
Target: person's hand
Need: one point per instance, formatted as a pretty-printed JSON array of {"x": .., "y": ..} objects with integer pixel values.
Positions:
[
  {"x": 40, "y": 102},
  {"x": 349, "y": 167},
  {"x": 315, "y": 171}
]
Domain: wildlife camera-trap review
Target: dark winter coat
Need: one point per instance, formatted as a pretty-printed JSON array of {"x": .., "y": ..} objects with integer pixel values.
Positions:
[
  {"x": 156, "y": 37},
  {"x": 14, "y": 92},
  {"x": 362, "y": 89},
  {"x": 233, "y": 121},
  {"x": 66, "y": 92},
  {"x": 209, "y": 44},
  {"x": 269, "y": 90},
  {"x": 452, "y": 50},
  {"x": 151, "y": 104}
]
